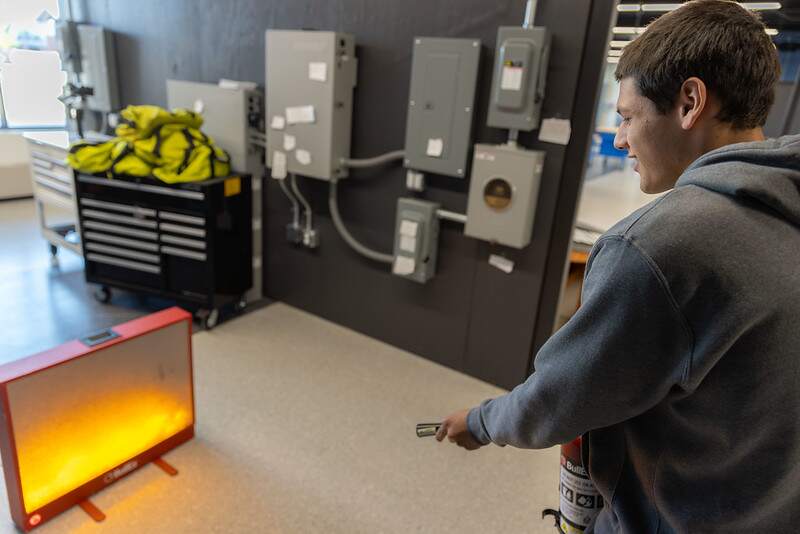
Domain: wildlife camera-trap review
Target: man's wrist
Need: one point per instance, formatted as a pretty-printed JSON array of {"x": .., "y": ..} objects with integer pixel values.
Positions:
[{"x": 476, "y": 427}]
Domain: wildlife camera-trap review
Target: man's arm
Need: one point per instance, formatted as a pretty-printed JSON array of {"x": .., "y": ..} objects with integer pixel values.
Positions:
[{"x": 621, "y": 353}]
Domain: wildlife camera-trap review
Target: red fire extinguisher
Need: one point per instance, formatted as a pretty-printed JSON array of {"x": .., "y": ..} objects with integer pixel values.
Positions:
[{"x": 579, "y": 500}]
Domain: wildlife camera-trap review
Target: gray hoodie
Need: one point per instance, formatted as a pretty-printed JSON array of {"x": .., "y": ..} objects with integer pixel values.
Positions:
[{"x": 682, "y": 365}]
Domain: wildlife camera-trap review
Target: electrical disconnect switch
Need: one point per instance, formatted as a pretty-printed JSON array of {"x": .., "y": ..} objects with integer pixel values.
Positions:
[
  {"x": 416, "y": 239},
  {"x": 520, "y": 73}
]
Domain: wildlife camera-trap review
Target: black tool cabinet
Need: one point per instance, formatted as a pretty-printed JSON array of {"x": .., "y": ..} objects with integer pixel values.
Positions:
[{"x": 188, "y": 242}]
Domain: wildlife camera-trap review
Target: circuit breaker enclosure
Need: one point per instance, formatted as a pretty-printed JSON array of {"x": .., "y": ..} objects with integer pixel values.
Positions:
[
  {"x": 503, "y": 194},
  {"x": 444, "y": 73},
  {"x": 520, "y": 74},
  {"x": 416, "y": 240},
  {"x": 98, "y": 67},
  {"x": 310, "y": 76}
]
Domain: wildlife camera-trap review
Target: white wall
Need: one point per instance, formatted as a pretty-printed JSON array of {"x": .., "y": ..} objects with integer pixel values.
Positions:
[{"x": 15, "y": 166}]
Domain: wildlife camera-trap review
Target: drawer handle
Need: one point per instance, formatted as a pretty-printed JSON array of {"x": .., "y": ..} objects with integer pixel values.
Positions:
[
  {"x": 178, "y": 229},
  {"x": 135, "y": 265},
  {"x": 172, "y": 251}
]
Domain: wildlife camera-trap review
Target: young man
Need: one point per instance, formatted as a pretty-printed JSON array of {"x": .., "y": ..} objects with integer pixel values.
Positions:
[{"x": 682, "y": 366}]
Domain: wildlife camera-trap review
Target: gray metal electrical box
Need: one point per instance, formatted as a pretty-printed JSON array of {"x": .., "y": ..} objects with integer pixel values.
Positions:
[
  {"x": 310, "y": 81},
  {"x": 230, "y": 117},
  {"x": 520, "y": 73},
  {"x": 503, "y": 193},
  {"x": 441, "y": 102},
  {"x": 98, "y": 66},
  {"x": 416, "y": 239}
]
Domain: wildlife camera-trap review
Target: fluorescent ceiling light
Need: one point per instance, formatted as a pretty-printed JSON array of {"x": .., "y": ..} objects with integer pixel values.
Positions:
[
  {"x": 761, "y": 6},
  {"x": 628, "y": 30},
  {"x": 754, "y": 6},
  {"x": 771, "y": 31},
  {"x": 614, "y": 53},
  {"x": 612, "y": 59},
  {"x": 660, "y": 7},
  {"x": 629, "y": 8},
  {"x": 620, "y": 44}
]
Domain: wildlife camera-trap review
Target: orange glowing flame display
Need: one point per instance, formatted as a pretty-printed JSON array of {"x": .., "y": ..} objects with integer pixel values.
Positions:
[{"x": 91, "y": 442}]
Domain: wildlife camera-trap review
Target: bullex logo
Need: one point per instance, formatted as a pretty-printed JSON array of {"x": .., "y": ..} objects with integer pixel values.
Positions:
[{"x": 120, "y": 471}]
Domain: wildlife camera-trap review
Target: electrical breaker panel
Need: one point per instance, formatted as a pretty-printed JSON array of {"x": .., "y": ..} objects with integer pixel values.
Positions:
[
  {"x": 416, "y": 239},
  {"x": 310, "y": 79},
  {"x": 98, "y": 67},
  {"x": 503, "y": 194},
  {"x": 230, "y": 117},
  {"x": 444, "y": 73},
  {"x": 520, "y": 73}
]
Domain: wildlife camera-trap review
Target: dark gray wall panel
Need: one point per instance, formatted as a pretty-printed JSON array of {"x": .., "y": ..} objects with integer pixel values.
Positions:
[{"x": 470, "y": 316}]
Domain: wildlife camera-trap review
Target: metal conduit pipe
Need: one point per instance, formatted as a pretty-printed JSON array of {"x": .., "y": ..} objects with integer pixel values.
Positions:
[
  {"x": 333, "y": 204},
  {"x": 372, "y": 162},
  {"x": 306, "y": 206}
]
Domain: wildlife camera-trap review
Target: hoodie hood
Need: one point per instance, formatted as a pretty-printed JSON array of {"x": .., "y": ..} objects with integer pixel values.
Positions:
[{"x": 765, "y": 171}]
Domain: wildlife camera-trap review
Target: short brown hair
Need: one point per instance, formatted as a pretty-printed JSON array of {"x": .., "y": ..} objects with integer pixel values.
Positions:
[{"x": 717, "y": 41}]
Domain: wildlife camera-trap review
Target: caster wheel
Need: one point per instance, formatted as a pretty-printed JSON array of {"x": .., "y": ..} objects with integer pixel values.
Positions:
[
  {"x": 102, "y": 294},
  {"x": 240, "y": 306},
  {"x": 53, "y": 255},
  {"x": 211, "y": 319}
]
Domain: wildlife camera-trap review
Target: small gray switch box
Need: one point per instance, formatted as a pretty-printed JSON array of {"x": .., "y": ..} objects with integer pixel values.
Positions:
[
  {"x": 310, "y": 80},
  {"x": 503, "y": 193},
  {"x": 520, "y": 73},
  {"x": 416, "y": 240},
  {"x": 441, "y": 102}
]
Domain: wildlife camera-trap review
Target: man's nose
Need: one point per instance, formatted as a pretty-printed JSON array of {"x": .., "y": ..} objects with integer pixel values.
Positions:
[{"x": 621, "y": 140}]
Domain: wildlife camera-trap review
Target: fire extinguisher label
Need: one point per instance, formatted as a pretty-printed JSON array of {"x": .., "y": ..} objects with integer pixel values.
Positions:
[{"x": 580, "y": 502}]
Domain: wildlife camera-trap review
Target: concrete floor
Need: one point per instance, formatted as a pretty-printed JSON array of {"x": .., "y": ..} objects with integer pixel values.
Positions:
[{"x": 302, "y": 425}]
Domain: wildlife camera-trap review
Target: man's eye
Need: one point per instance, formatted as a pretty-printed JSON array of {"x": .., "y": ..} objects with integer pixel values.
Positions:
[{"x": 626, "y": 120}]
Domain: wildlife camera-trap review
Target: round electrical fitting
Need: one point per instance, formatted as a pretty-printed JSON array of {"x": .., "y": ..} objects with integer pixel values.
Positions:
[{"x": 497, "y": 193}]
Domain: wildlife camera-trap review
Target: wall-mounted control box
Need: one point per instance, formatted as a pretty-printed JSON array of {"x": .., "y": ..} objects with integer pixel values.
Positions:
[
  {"x": 98, "y": 66},
  {"x": 520, "y": 73},
  {"x": 416, "y": 239},
  {"x": 503, "y": 193},
  {"x": 310, "y": 76},
  {"x": 230, "y": 117},
  {"x": 444, "y": 73}
]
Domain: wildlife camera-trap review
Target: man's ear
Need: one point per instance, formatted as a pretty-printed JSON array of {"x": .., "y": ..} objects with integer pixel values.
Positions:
[{"x": 692, "y": 101}]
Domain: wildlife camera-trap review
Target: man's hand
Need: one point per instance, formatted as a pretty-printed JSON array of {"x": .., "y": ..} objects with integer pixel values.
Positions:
[{"x": 454, "y": 427}]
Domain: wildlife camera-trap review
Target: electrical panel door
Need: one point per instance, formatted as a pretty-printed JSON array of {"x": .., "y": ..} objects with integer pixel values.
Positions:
[{"x": 441, "y": 102}]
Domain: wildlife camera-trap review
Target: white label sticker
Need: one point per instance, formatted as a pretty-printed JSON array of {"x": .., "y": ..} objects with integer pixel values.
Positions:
[
  {"x": 278, "y": 165},
  {"x": 303, "y": 157},
  {"x": 556, "y": 131},
  {"x": 404, "y": 266},
  {"x": 504, "y": 264},
  {"x": 408, "y": 244},
  {"x": 318, "y": 72},
  {"x": 300, "y": 115},
  {"x": 278, "y": 122},
  {"x": 512, "y": 79},
  {"x": 435, "y": 148},
  {"x": 289, "y": 142},
  {"x": 409, "y": 228}
]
